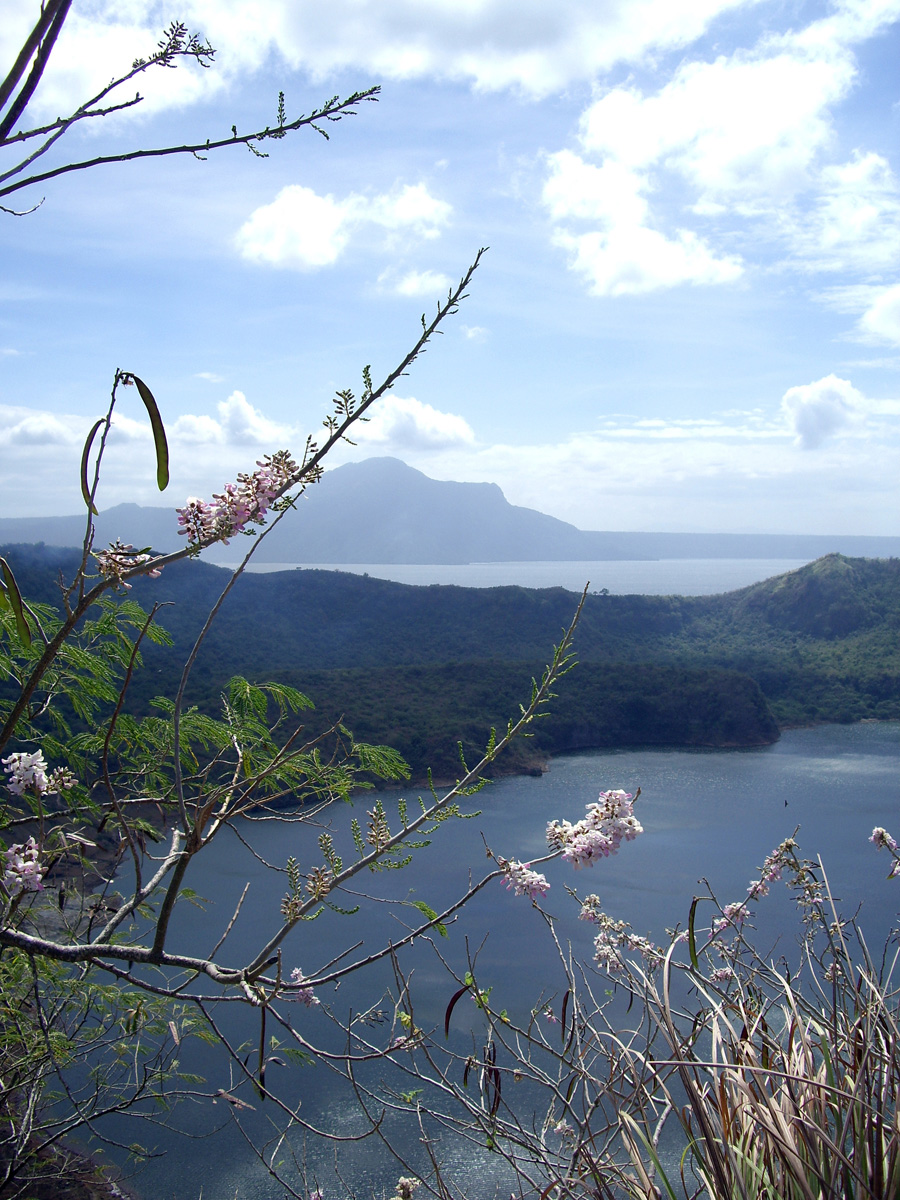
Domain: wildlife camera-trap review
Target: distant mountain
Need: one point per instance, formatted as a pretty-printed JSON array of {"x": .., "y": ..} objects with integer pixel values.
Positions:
[{"x": 383, "y": 511}]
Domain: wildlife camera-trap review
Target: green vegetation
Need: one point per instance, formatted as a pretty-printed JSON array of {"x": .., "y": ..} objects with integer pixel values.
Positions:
[
  {"x": 425, "y": 711},
  {"x": 446, "y": 663}
]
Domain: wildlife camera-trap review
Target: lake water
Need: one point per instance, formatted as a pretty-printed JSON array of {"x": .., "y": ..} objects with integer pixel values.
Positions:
[
  {"x": 707, "y": 814},
  {"x": 662, "y": 577}
]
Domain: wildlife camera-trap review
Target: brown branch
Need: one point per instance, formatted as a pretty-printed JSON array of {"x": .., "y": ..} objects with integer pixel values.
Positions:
[
  {"x": 561, "y": 661},
  {"x": 332, "y": 111},
  {"x": 48, "y": 14},
  {"x": 45, "y": 48}
]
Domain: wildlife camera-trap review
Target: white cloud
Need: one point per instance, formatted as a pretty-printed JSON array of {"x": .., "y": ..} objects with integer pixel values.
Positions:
[
  {"x": 881, "y": 320},
  {"x": 625, "y": 256},
  {"x": 38, "y": 429},
  {"x": 816, "y": 411},
  {"x": 734, "y": 470},
  {"x": 205, "y": 452},
  {"x": 8, "y": 352},
  {"x": 611, "y": 193},
  {"x": 407, "y": 423},
  {"x": 409, "y": 207},
  {"x": 531, "y": 45},
  {"x": 874, "y": 364},
  {"x": 741, "y": 127},
  {"x": 209, "y": 376},
  {"x": 632, "y": 260},
  {"x": 887, "y": 408},
  {"x": 242, "y": 424},
  {"x": 879, "y": 307},
  {"x": 733, "y": 151},
  {"x": 527, "y": 44},
  {"x": 302, "y": 229},
  {"x": 99, "y": 42},
  {"x": 197, "y": 430},
  {"x": 127, "y": 429},
  {"x": 474, "y": 333},
  {"x": 298, "y": 229},
  {"x": 849, "y": 298},
  {"x": 855, "y": 221},
  {"x": 415, "y": 283}
]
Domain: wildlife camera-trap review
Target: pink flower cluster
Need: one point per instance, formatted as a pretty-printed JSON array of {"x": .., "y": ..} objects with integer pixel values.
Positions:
[
  {"x": 614, "y": 936},
  {"x": 301, "y": 992},
  {"x": 248, "y": 500},
  {"x": 771, "y": 873},
  {"x": 882, "y": 840},
  {"x": 22, "y": 870},
  {"x": 122, "y": 557},
  {"x": 609, "y": 822},
  {"x": 28, "y": 773},
  {"x": 522, "y": 880},
  {"x": 734, "y": 914}
]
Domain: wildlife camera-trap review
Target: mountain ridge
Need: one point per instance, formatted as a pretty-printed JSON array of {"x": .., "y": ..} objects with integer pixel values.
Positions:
[
  {"x": 425, "y": 668},
  {"x": 381, "y": 510}
]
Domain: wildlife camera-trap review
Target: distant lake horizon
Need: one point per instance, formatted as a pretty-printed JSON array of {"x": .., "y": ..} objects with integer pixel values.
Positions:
[{"x": 621, "y": 577}]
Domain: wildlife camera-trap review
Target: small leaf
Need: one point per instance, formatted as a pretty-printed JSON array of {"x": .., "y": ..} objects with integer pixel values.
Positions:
[
  {"x": 450, "y": 1007},
  {"x": 159, "y": 434},
  {"x": 14, "y": 598},
  {"x": 85, "y": 457},
  {"x": 431, "y": 915},
  {"x": 692, "y": 941}
]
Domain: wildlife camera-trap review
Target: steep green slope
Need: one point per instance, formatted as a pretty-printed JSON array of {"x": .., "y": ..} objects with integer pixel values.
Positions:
[
  {"x": 821, "y": 644},
  {"x": 426, "y": 711}
]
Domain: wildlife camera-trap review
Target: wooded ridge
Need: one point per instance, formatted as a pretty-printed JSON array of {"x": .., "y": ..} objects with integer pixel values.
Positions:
[{"x": 400, "y": 664}]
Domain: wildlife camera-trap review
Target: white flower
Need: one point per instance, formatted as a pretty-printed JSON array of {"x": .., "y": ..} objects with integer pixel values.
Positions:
[
  {"x": 521, "y": 878},
  {"x": 27, "y": 772},
  {"x": 22, "y": 870}
]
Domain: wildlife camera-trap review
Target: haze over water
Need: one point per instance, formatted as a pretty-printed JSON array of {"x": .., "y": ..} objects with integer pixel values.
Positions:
[{"x": 657, "y": 577}]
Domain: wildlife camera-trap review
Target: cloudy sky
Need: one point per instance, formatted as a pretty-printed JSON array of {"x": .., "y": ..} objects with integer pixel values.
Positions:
[{"x": 688, "y": 319}]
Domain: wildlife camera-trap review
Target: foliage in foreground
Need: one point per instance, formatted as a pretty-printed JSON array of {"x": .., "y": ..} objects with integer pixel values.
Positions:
[
  {"x": 707, "y": 1071},
  {"x": 780, "y": 1083}
]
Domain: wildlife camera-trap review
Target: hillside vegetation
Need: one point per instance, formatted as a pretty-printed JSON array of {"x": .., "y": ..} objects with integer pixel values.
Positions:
[{"x": 402, "y": 663}]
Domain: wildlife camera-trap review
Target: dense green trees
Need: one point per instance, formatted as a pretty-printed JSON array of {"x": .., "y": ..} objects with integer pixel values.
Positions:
[{"x": 423, "y": 667}]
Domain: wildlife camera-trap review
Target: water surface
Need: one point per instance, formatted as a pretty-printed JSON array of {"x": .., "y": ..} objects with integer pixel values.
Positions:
[
  {"x": 709, "y": 815},
  {"x": 662, "y": 577}
]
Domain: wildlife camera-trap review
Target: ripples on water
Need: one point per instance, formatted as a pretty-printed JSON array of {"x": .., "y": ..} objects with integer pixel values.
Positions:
[{"x": 713, "y": 814}]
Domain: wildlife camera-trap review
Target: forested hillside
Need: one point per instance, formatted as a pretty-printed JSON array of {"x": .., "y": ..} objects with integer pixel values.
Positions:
[{"x": 400, "y": 663}]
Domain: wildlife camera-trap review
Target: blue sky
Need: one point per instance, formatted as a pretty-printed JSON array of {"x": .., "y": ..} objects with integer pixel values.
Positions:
[{"x": 689, "y": 317}]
